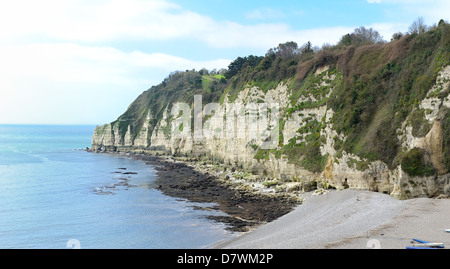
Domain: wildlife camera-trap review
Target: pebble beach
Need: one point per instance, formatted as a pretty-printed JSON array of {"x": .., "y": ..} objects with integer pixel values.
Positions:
[{"x": 352, "y": 219}]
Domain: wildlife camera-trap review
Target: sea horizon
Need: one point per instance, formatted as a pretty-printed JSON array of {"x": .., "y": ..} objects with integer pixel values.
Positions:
[{"x": 48, "y": 124}]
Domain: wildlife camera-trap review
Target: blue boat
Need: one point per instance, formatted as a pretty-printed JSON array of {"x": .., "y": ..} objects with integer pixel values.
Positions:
[{"x": 425, "y": 245}]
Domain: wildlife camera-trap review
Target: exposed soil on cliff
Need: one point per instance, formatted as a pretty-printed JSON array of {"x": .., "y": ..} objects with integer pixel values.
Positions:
[{"x": 245, "y": 209}]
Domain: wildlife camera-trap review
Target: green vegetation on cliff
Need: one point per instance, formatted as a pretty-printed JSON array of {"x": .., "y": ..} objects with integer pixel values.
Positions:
[
  {"x": 446, "y": 139},
  {"x": 372, "y": 87},
  {"x": 414, "y": 163},
  {"x": 382, "y": 85}
]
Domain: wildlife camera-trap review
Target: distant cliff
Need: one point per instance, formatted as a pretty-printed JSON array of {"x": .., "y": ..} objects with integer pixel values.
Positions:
[{"x": 371, "y": 116}]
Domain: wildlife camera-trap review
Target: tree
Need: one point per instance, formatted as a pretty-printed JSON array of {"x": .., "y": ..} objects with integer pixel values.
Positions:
[
  {"x": 307, "y": 48},
  {"x": 253, "y": 61},
  {"x": 397, "y": 36},
  {"x": 362, "y": 36},
  {"x": 285, "y": 50},
  {"x": 234, "y": 67},
  {"x": 222, "y": 71},
  {"x": 418, "y": 27},
  {"x": 346, "y": 40},
  {"x": 203, "y": 72},
  {"x": 240, "y": 63}
]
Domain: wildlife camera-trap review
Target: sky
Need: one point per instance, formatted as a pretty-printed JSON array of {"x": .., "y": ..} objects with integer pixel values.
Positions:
[{"x": 85, "y": 61}]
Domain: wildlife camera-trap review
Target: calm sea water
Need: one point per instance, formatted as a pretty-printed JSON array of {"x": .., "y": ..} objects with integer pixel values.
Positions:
[{"x": 53, "y": 195}]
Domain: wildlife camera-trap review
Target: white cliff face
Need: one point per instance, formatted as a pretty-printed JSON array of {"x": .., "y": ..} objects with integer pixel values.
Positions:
[
  {"x": 159, "y": 136},
  {"x": 103, "y": 137},
  {"x": 128, "y": 141},
  {"x": 236, "y": 142},
  {"x": 142, "y": 139},
  {"x": 118, "y": 141},
  {"x": 431, "y": 106},
  {"x": 173, "y": 132}
]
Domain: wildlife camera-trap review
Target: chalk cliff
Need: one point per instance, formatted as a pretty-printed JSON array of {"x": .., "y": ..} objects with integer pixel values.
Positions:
[{"x": 372, "y": 117}]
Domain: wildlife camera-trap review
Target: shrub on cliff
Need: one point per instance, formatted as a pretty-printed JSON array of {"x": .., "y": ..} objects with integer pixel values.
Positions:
[
  {"x": 446, "y": 139},
  {"x": 383, "y": 84},
  {"x": 414, "y": 163}
]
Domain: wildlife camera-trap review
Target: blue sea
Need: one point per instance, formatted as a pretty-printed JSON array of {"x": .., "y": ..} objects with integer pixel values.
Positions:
[{"x": 55, "y": 196}]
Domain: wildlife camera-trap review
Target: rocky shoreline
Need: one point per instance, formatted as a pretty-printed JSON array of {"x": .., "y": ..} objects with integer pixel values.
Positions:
[{"x": 245, "y": 208}]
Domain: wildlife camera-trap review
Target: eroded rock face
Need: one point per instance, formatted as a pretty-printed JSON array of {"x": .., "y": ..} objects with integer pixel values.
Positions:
[
  {"x": 103, "y": 138},
  {"x": 172, "y": 134},
  {"x": 432, "y": 144}
]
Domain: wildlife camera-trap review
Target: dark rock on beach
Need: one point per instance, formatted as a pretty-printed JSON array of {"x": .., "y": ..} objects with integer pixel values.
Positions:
[{"x": 244, "y": 209}]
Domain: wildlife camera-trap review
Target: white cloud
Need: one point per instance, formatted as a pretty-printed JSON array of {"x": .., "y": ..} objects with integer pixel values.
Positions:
[
  {"x": 72, "y": 62},
  {"x": 71, "y": 83},
  {"x": 104, "y": 21},
  {"x": 265, "y": 36},
  {"x": 94, "y": 21}
]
